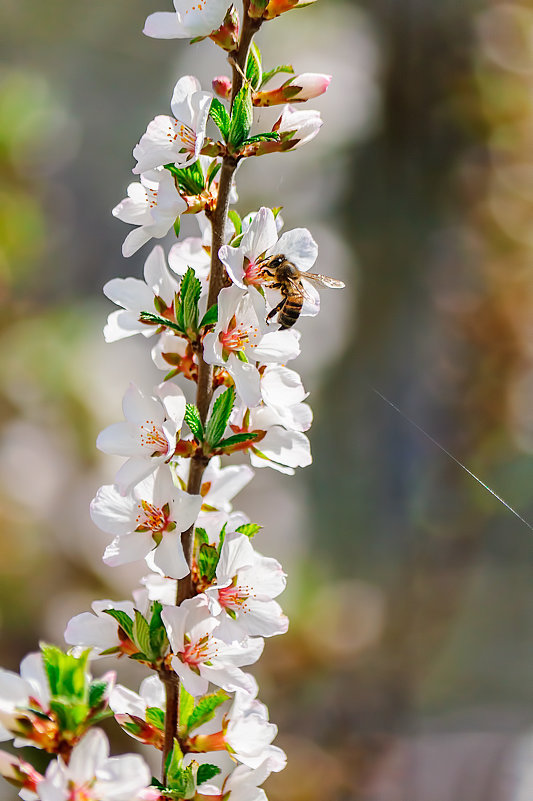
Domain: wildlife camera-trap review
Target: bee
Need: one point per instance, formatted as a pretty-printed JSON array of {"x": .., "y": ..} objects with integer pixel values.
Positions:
[{"x": 277, "y": 272}]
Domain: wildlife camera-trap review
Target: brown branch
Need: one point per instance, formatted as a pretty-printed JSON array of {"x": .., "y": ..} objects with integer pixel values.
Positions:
[{"x": 217, "y": 278}]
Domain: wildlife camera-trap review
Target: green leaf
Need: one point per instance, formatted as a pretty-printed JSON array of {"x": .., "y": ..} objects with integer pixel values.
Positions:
[
  {"x": 182, "y": 781},
  {"x": 141, "y": 634},
  {"x": 267, "y": 76},
  {"x": 97, "y": 692},
  {"x": 177, "y": 227},
  {"x": 190, "y": 180},
  {"x": 208, "y": 558},
  {"x": 148, "y": 317},
  {"x": 186, "y": 708},
  {"x": 220, "y": 117},
  {"x": 205, "y": 709},
  {"x": 249, "y": 529},
  {"x": 155, "y": 717},
  {"x": 124, "y": 621},
  {"x": 241, "y": 118},
  {"x": 201, "y": 536},
  {"x": 190, "y": 291},
  {"x": 220, "y": 415},
  {"x": 236, "y": 220},
  {"x": 210, "y": 317},
  {"x": 237, "y": 439},
  {"x": 194, "y": 421},
  {"x": 263, "y": 137},
  {"x": 158, "y": 634},
  {"x": 212, "y": 172},
  {"x": 254, "y": 69},
  {"x": 174, "y": 764},
  {"x": 206, "y": 772},
  {"x": 66, "y": 673}
]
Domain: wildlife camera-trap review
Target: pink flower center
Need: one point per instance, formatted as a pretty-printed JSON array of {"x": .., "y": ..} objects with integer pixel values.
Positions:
[
  {"x": 184, "y": 133},
  {"x": 252, "y": 273},
  {"x": 195, "y": 653},
  {"x": 234, "y": 597},
  {"x": 149, "y": 516},
  {"x": 153, "y": 439},
  {"x": 238, "y": 335}
]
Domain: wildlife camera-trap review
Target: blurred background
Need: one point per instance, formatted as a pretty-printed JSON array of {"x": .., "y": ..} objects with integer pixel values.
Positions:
[{"x": 406, "y": 674}]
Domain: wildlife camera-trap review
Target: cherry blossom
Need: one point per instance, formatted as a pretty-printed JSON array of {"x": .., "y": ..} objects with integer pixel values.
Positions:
[
  {"x": 100, "y": 632},
  {"x": 152, "y": 205},
  {"x": 241, "y": 338},
  {"x": 91, "y": 775},
  {"x": 206, "y": 650},
  {"x": 136, "y": 296},
  {"x": 148, "y": 435},
  {"x": 177, "y": 139},
  {"x": 191, "y": 18},
  {"x": 130, "y": 710},
  {"x": 147, "y": 523},
  {"x": 246, "y": 585},
  {"x": 304, "y": 124},
  {"x": 244, "y": 263}
]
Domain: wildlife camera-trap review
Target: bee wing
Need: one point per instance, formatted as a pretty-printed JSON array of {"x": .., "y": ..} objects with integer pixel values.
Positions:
[{"x": 324, "y": 280}]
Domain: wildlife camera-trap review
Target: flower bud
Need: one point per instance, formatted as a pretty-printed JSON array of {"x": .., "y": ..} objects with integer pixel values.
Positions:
[
  {"x": 257, "y": 8},
  {"x": 296, "y": 127},
  {"x": 227, "y": 36},
  {"x": 222, "y": 86},
  {"x": 277, "y": 7},
  {"x": 297, "y": 89}
]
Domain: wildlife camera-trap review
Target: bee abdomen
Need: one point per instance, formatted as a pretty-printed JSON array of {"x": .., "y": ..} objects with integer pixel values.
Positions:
[{"x": 290, "y": 312}]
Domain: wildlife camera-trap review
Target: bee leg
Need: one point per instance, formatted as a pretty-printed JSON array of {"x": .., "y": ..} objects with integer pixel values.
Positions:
[{"x": 275, "y": 310}]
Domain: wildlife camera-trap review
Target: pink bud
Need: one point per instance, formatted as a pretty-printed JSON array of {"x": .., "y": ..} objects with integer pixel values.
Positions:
[
  {"x": 222, "y": 86},
  {"x": 312, "y": 84}
]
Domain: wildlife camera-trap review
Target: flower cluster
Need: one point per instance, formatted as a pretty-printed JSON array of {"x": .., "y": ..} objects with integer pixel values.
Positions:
[{"x": 221, "y": 310}]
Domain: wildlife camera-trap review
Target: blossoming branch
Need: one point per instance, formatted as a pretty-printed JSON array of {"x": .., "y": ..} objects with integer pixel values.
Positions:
[{"x": 221, "y": 310}]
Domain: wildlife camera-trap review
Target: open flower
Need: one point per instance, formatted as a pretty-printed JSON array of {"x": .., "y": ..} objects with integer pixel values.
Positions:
[
  {"x": 180, "y": 138},
  {"x": 91, "y": 775},
  {"x": 246, "y": 585},
  {"x": 206, "y": 650},
  {"x": 147, "y": 522},
  {"x": 283, "y": 394},
  {"x": 101, "y": 632},
  {"x": 241, "y": 338},
  {"x": 192, "y": 18},
  {"x": 219, "y": 484},
  {"x": 244, "y": 264},
  {"x": 136, "y": 296},
  {"x": 149, "y": 434},
  {"x": 134, "y": 712},
  {"x": 153, "y": 206}
]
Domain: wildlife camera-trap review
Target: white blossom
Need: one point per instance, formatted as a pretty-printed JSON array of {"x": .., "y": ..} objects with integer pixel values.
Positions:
[
  {"x": 191, "y": 18},
  {"x": 246, "y": 584},
  {"x": 147, "y": 521},
  {"x": 304, "y": 124},
  {"x": 180, "y": 138},
  {"x": 92, "y": 774},
  {"x": 152, "y": 205},
  {"x": 206, "y": 650},
  {"x": 136, "y": 296},
  {"x": 149, "y": 434}
]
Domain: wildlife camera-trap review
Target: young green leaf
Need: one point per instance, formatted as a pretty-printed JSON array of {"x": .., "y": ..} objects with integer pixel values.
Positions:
[
  {"x": 267, "y": 76},
  {"x": 208, "y": 558},
  {"x": 237, "y": 439},
  {"x": 201, "y": 536},
  {"x": 241, "y": 118},
  {"x": 177, "y": 227},
  {"x": 249, "y": 529},
  {"x": 194, "y": 421},
  {"x": 220, "y": 415},
  {"x": 124, "y": 621},
  {"x": 97, "y": 692},
  {"x": 158, "y": 634},
  {"x": 210, "y": 317},
  {"x": 141, "y": 634},
  {"x": 269, "y": 136},
  {"x": 206, "y": 772},
  {"x": 148, "y": 317},
  {"x": 254, "y": 69},
  {"x": 205, "y": 708},
  {"x": 220, "y": 117},
  {"x": 236, "y": 220},
  {"x": 190, "y": 291},
  {"x": 212, "y": 172},
  {"x": 155, "y": 717},
  {"x": 186, "y": 708}
]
